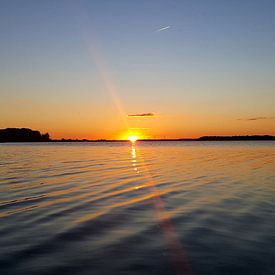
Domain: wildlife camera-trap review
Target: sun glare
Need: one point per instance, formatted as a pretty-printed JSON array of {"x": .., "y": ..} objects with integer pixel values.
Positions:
[
  {"x": 133, "y": 135},
  {"x": 133, "y": 138}
]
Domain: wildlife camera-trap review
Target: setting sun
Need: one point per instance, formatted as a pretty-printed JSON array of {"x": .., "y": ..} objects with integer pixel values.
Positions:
[
  {"x": 134, "y": 134},
  {"x": 133, "y": 138}
]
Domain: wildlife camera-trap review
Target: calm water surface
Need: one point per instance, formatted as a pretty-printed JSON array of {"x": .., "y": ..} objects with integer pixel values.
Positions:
[{"x": 152, "y": 208}]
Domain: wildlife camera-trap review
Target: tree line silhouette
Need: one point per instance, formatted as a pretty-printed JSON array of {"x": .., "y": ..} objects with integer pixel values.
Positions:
[
  {"x": 22, "y": 135},
  {"x": 236, "y": 138},
  {"x": 29, "y": 135}
]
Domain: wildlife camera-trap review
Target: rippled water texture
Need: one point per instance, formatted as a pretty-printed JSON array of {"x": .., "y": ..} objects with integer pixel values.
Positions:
[{"x": 152, "y": 208}]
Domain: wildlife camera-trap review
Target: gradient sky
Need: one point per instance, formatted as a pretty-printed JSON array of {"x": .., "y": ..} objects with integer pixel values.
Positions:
[{"x": 78, "y": 68}]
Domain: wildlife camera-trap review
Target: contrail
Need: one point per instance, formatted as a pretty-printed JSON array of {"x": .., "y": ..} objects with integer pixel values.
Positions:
[{"x": 164, "y": 28}]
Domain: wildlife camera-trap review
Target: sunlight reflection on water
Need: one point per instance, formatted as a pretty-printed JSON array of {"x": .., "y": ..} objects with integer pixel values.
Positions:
[{"x": 154, "y": 208}]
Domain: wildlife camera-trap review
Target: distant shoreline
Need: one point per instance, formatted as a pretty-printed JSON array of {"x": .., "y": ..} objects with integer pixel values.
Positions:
[
  {"x": 28, "y": 135},
  {"x": 139, "y": 140},
  {"x": 208, "y": 138}
]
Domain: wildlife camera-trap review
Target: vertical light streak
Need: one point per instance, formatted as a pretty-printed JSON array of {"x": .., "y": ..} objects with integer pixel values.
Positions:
[
  {"x": 177, "y": 254},
  {"x": 108, "y": 83},
  {"x": 97, "y": 56}
]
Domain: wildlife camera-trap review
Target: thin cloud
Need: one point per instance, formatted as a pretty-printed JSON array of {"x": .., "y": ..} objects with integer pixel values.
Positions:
[
  {"x": 257, "y": 118},
  {"x": 143, "y": 115},
  {"x": 163, "y": 28}
]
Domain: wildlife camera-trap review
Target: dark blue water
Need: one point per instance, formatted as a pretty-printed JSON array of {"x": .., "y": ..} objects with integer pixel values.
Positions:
[{"x": 151, "y": 208}]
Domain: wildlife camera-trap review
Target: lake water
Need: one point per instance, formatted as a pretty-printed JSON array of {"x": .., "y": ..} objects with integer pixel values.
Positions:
[{"x": 151, "y": 208}]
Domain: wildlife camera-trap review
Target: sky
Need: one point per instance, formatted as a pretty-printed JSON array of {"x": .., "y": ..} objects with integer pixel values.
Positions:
[{"x": 96, "y": 69}]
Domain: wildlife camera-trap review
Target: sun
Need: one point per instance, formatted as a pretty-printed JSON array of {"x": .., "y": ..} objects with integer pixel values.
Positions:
[
  {"x": 133, "y": 138},
  {"x": 133, "y": 134}
]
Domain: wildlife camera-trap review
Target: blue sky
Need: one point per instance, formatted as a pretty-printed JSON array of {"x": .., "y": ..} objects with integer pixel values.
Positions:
[{"x": 216, "y": 60}]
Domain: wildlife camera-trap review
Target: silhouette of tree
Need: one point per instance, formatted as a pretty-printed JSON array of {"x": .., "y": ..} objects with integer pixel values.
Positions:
[
  {"x": 22, "y": 135},
  {"x": 45, "y": 137}
]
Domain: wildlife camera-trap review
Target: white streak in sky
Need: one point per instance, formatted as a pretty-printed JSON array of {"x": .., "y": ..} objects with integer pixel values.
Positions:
[{"x": 164, "y": 28}]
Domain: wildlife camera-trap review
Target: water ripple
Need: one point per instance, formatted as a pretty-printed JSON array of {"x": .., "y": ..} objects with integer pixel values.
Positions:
[{"x": 117, "y": 209}]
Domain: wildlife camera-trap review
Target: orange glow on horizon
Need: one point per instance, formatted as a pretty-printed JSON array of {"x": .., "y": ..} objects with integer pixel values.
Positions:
[{"x": 133, "y": 134}]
